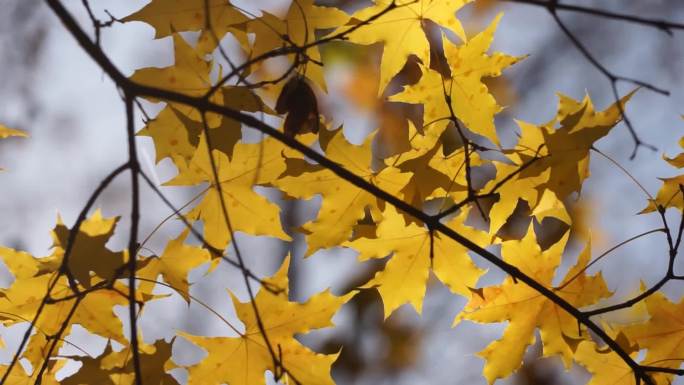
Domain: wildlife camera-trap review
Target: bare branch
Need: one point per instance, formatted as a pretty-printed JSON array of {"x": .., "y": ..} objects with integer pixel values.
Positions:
[{"x": 663, "y": 25}]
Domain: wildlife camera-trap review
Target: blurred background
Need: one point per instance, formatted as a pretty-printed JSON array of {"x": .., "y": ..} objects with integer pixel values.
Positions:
[{"x": 75, "y": 119}]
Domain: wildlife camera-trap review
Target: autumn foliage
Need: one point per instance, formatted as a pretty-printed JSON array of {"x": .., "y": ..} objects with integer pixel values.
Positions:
[{"x": 430, "y": 193}]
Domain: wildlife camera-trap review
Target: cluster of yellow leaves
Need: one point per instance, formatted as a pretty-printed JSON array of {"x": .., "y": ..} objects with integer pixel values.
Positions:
[
  {"x": 92, "y": 264},
  {"x": 39, "y": 288},
  {"x": 244, "y": 359},
  {"x": 548, "y": 163}
]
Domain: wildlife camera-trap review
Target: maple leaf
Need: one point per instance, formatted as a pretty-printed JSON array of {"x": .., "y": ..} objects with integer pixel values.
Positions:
[
  {"x": 190, "y": 73},
  {"x": 662, "y": 335},
  {"x": 343, "y": 203},
  {"x": 175, "y": 263},
  {"x": 519, "y": 186},
  {"x": 434, "y": 174},
  {"x": 526, "y": 310},
  {"x": 670, "y": 193},
  {"x": 174, "y": 134},
  {"x": 463, "y": 92},
  {"x": 252, "y": 164},
  {"x": 94, "y": 312},
  {"x": 243, "y": 360},
  {"x": 414, "y": 255},
  {"x": 406, "y": 36},
  {"x": 19, "y": 376},
  {"x": 168, "y": 17},
  {"x": 556, "y": 160},
  {"x": 91, "y": 370},
  {"x": 88, "y": 253},
  {"x": 565, "y": 150},
  {"x": 677, "y": 161},
  {"x": 24, "y": 265},
  {"x": 425, "y": 179},
  {"x": 550, "y": 206},
  {"x": 606, "y": 366}
]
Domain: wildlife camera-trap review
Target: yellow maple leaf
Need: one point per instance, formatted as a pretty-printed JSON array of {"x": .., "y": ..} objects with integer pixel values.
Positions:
[
  {"x": 252, "y": 164},
  {"x": 19, "y": 376},
  {"x": 95, "y": 312},
  {"x": 174, "y": 134},
  {"x": 512, "y": 189},
  {"x": 670, "y": 193},
  {"x": 677, "y": 161},
  {"x": 425, "y": 180},
  {"x": 343, "y": 203},
  {"x": 565, "y": 150},
  {"x": 24, "y": 265},
  {"x": 91, "y": 263},
  {"x": 550, "y": 206},
  {"x": 606, "y": 366},
  {"x": 404, "y": 278},
  {"x": 88, "y": 253},
  {"x": 469, "y": 97},
  {"x": 175, "y": 263},
  {"x": 190, "y": 73},
  {"x": 243, "y": 360},
  {"x": 401, "y": 30},
  {"x": 168, "y": 17},
  {"x": 526, "y": 310},
  {"x": 434, "y": 174},
  {"x": 662, "y": 335}
]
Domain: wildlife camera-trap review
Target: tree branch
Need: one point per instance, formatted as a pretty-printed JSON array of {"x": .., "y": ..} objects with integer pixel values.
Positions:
[{"x": 663, "y": 25}]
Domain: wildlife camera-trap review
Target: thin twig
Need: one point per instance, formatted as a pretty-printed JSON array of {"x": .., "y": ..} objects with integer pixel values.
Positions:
[
  {"x": 612, "y": 78},
  {"x": 624, "y": 171},
  {"x": 605, "y": 253},
  {"x": 663, "y": 25}
]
